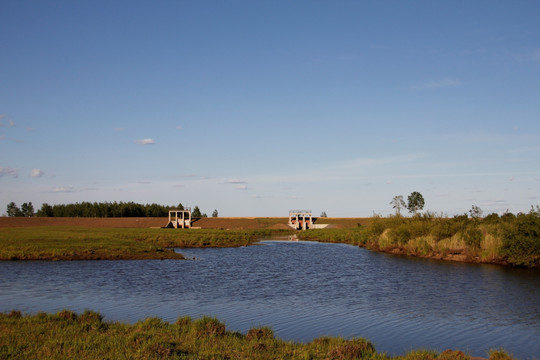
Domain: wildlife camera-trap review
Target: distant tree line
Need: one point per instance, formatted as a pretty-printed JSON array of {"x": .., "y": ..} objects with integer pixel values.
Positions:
[{"x": 101, "y": 209}]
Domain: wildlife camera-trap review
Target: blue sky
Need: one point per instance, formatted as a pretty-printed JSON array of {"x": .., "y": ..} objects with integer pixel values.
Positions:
[{"x": 257, "y": 107}]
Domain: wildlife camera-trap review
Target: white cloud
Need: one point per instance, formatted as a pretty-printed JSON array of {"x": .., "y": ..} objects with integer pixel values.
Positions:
[
  {"x": 36, "y": 173},
  {"x": 64, "y": 189},
  {"x": 145, "y": 141},
  {"x": 241, "y": 187},
  {"x": 438, "y": 84},
  {"x": 8, "y": 172}
]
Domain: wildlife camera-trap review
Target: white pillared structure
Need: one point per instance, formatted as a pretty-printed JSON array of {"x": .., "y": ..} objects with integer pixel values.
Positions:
[
  {"x": 179, "y": 219},
  {"x": 300, "y": 219}
]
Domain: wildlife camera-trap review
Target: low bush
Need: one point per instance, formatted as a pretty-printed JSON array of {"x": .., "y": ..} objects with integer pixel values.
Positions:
[
  {"x": 521, "y": 240},
  {"x": 260, "y": 333},
  {"x": 209, "y": 326}
]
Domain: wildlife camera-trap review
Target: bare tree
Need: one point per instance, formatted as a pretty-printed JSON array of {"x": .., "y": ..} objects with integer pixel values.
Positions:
[{"x": 398, "y": 203}]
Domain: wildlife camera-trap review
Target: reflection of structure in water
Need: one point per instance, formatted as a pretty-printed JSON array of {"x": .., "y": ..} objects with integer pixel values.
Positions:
[{"x": 179, "y": 219}]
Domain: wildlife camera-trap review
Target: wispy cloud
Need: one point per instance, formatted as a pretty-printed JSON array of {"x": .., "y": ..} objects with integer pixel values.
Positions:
[
  {"x": 532, "y": 56},
  {"x": 7, "y": 171},
  {"x": 235, "y": 182},
  {"x": 241, "y": 187},
  {"x": 195, "y": 176},
  {"x": 72, "y": 189},
  {"x": 365, "y": 161},
  {"x": 179, "y": 127},
  {"x": 118, "y": 129},
  {"x": 11, "y": 123},
  {"x": 147, "y": 141},
  {"x": 437, "y": 84},
  {"x": 36, "y": 173},
  {"x": 64, "y": 189}
]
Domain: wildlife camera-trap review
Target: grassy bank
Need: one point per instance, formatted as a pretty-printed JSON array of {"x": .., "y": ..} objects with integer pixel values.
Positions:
[
  {"x": 79, "y": 243},
  {"x": 508, "y": 239},
  {"x": 67, "y": 335}
]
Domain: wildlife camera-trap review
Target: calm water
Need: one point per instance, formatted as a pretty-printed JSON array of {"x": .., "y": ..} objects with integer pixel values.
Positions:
[{"x": 302, "y": 290}]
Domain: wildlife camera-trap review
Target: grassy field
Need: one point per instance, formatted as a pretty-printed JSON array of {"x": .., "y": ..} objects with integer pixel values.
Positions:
[
  {"x": 507, "y": 240},
  {"x": 81, "y": 243},
  {"x": 67, "y": 335}
]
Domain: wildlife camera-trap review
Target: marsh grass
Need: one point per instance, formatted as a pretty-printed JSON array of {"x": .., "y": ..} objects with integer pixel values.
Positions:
[
  {"x": 510, "y": 239},
  {"x": 76, "y": 243},
  {"x": 67, "y": 335}
]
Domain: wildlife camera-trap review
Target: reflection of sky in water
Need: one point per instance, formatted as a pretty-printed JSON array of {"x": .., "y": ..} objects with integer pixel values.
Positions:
[{"x": 302, "y": 290}]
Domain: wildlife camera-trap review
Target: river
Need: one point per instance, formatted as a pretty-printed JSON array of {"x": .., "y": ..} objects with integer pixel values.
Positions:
[{"x": 302, "y": 290}]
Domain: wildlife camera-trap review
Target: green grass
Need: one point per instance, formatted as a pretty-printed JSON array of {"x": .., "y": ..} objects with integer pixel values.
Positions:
[
  {"x": 73, "y": 243},
  {"x": 510, "y": 239},
  {"x": 67, "y": 335}
]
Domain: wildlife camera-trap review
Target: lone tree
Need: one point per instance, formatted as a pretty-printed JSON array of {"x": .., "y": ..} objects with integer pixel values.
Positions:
[
  {"x": 476, "y": 212},
  {"x": 415, "y": 202},
  {"x": 398, "y": 203},
  {"x": 215, "y": 213}
]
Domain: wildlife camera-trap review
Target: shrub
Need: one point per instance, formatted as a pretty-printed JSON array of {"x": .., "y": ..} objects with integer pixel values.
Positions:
[
  {"x": 492, "y": 219},
  {"x": 153, "y": 323},
  {"x": 67, "y": 315},
  {"x": 453, "y": 355},
  {"x": 473, "y": 237},
  {"x": 14, "y": 314},
  {"x": 352, "y": 349},
  {"x": 260, "y": 333},
  {"x": 499, "y": 355},
  {"x": 377, "y": 226},
  {"x": 89, "y": 316},
  {"x": 402, "y": 234},
  {"x": 521, "y": 240},
  {"x": 209, "y": 326}
]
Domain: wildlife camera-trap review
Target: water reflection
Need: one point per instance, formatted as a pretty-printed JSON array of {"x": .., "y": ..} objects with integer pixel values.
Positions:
[{"x": 302, "y": 290}]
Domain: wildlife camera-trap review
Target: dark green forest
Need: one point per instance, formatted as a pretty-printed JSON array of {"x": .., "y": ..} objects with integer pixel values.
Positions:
[{"x": 95, "y": 209}]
